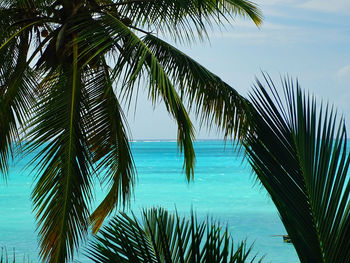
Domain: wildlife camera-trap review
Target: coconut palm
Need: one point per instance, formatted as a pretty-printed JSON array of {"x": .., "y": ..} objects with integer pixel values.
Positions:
[
  {"x": 165, "y": 238},
  {"x": 66, "y": 68},
  {"x": 300, "y": 155}
]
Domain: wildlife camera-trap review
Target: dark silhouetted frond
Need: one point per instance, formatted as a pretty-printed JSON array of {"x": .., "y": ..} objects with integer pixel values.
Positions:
[
  {"x": 166, "y": 238},
  {"x": 300, "y": 155}
]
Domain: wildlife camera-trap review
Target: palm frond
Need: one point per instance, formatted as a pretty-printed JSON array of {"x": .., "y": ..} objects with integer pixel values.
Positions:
[
  {"x": 213, "y": 99},
  {"x": 17, "y": 83},
  {"x": 165, "y": 237},
  {"x": 300, "y": 156},
  {"x": 135, "y": 59},
  {"x": 184, "y": 20},
  {"x": 18, "y": 80},
  {"x": 62, "y": 192},
  {"x": 109, "y": 143}
]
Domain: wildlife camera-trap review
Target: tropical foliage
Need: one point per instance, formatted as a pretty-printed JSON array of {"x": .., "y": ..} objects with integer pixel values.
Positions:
[
  {"x": 66, "y": 66},
  {"x": 165, "y": 238},
  {"x": 299, "y": 153}
]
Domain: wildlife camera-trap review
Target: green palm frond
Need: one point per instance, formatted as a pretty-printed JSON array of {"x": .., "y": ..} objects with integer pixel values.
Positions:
[
  {"x": 109, "y": 143},
  {"x": 184, "y": 20},
  {"x": 300, "y": 156},
  {"x": 17, "y": 83},
  {"x": 62, "y": 193},
  {"x": 164, "y": 237},
  {"x": 213, "y": 99},
  {"x": 137, "y": 60}
]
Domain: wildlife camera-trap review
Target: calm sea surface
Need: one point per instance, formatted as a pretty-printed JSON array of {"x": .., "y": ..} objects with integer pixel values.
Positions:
[{"x": 224, "y": 188}]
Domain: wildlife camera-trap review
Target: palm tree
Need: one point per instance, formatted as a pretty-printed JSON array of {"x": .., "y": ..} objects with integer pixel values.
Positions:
[
  {"x": 66, "y": 65},
  {"x": 165, "y": 238},
  {"x": 300, "y": 156}
]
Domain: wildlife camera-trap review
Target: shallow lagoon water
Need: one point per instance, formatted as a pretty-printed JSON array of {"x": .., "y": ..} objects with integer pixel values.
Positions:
[{"x": 223, "y": 189}]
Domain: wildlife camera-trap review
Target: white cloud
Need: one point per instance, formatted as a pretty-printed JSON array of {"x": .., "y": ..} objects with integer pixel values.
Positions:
[
  {"x": 277, "y": 2},
  {"x": 270, "y": 33},
  {"x": 342, "y": 6},
  {"x": 264, "y": 26},
  {"x": 344, "y": 72}
]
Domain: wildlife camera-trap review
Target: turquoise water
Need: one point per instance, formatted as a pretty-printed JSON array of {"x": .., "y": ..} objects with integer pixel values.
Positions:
[{"x": 224, "y": 189}]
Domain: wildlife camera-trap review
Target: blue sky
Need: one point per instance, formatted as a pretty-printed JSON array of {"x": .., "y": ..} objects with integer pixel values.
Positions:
[{"x": 308, "y": 40}]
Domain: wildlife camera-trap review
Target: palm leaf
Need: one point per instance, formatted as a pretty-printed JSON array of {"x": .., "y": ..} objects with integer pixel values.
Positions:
[
  {"x": 136, "y": 59},
  {"x": 17, "y": 83},
  {"x": 184, "y": 20},
  {"x": 213, "y": 99},
  {"x": 18, "y": 80},
  {"x": 109, "y": 144},
  {"x": 62, "y": 192},
  {"x": 165, "y": 237},
  {"x": 300, "y": 156}
]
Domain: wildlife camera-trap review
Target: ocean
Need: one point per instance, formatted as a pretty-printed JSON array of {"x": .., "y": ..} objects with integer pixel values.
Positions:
[{"x": 224, "y": 188}]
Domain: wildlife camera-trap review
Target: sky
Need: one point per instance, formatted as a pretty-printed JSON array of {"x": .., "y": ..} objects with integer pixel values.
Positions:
[{"x": 306, "y": 40}]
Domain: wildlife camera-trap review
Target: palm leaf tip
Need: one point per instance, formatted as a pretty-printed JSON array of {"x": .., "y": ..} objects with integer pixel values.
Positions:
[{"x": 248, "y": 8}]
